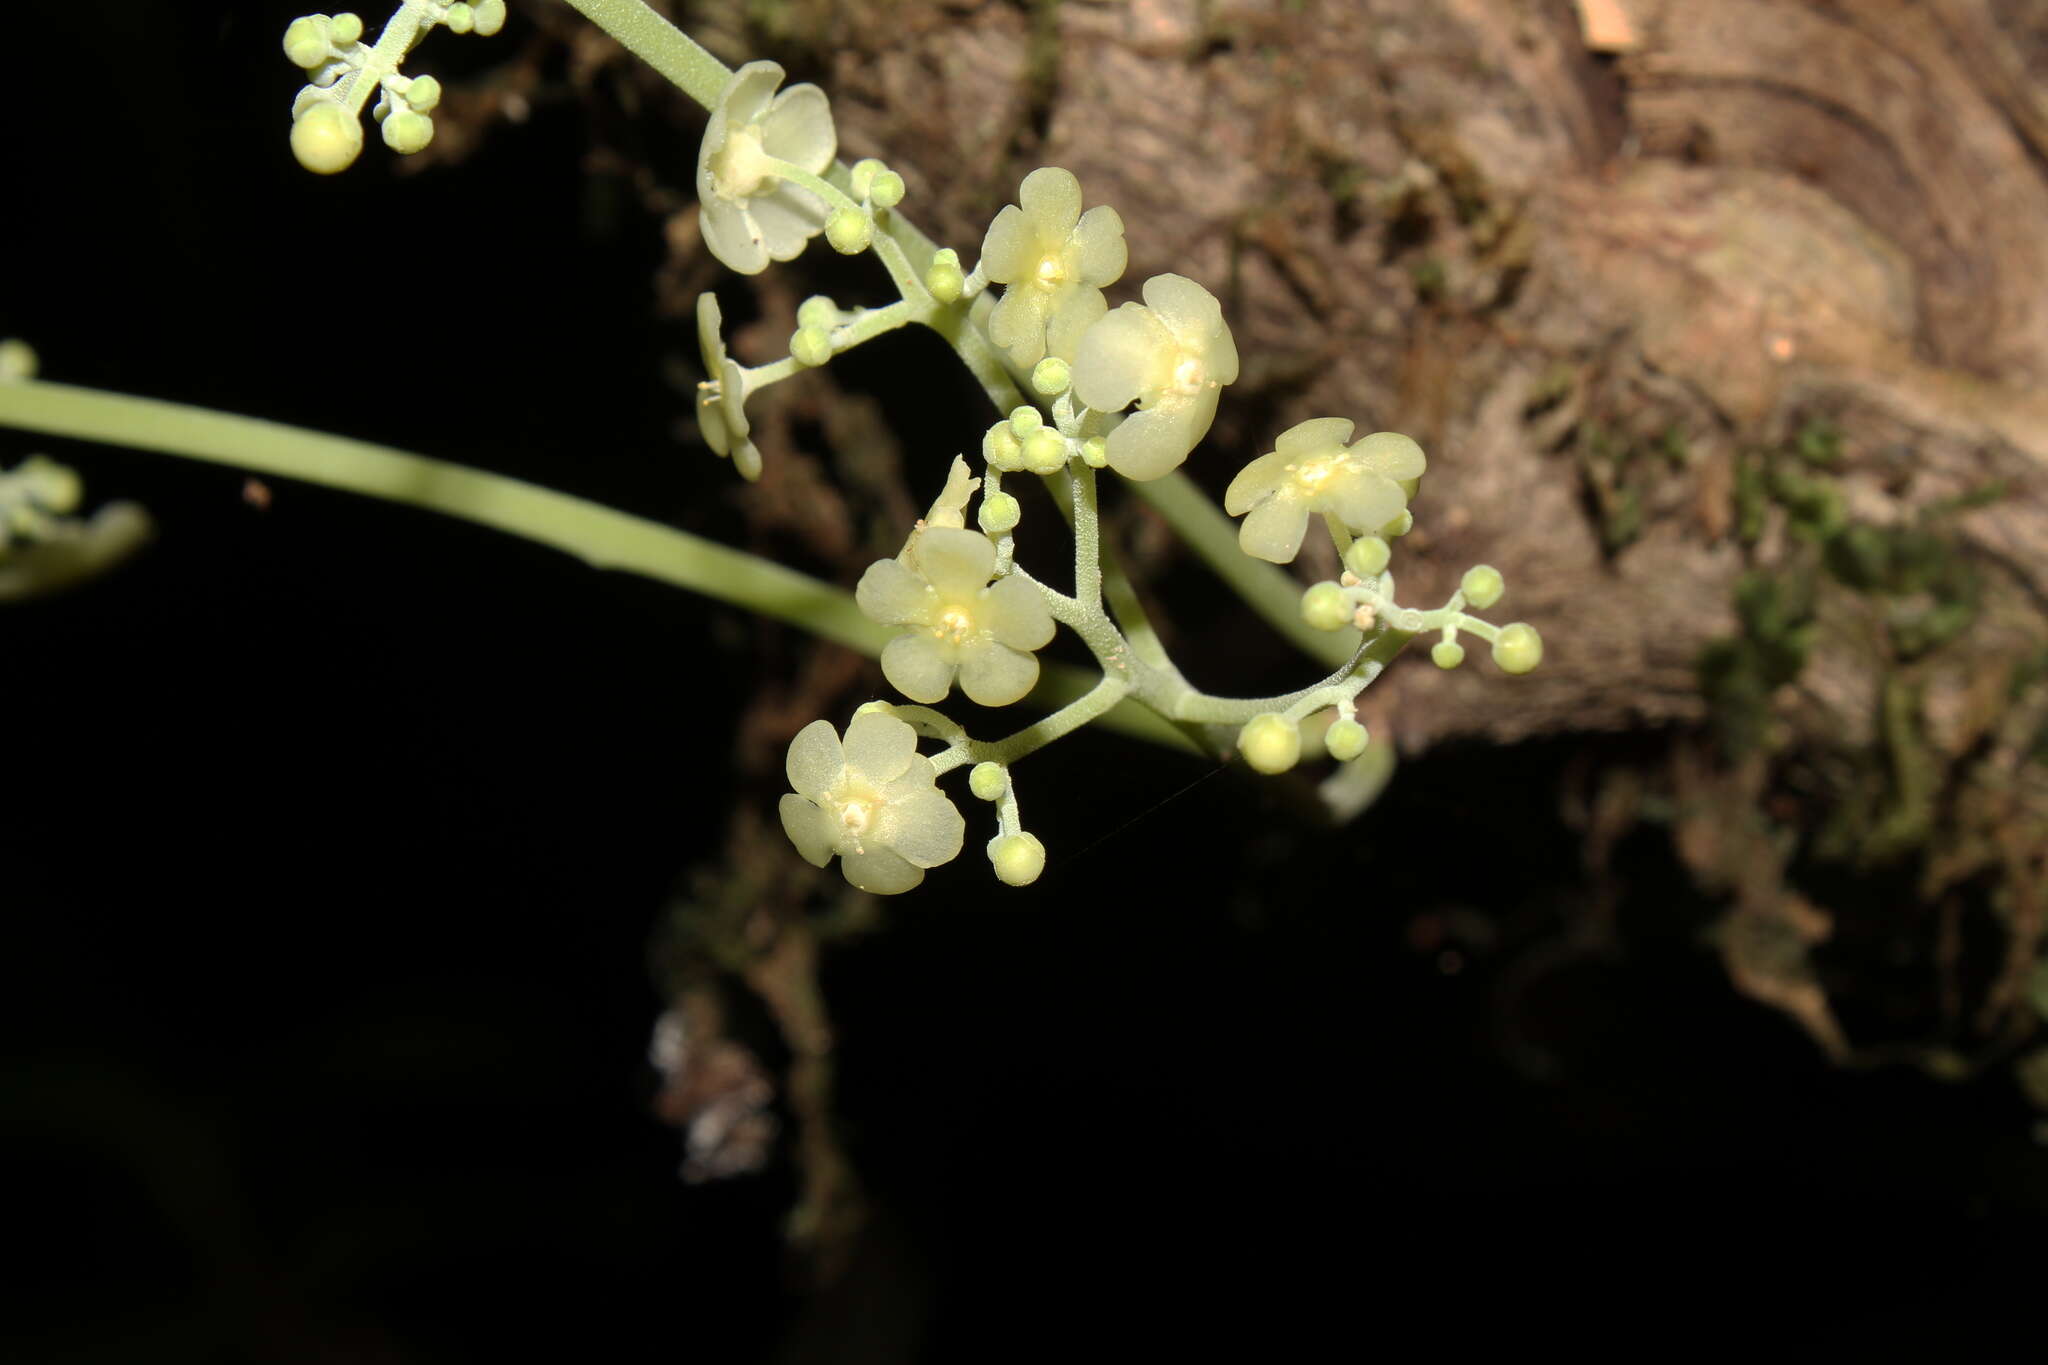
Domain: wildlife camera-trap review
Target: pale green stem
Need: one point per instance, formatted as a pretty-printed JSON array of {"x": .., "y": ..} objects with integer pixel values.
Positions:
[
  {"x": 1087, "y": 535},
  {"x": 660, "y": 44},
  {"x": 1035, "y": 736}
]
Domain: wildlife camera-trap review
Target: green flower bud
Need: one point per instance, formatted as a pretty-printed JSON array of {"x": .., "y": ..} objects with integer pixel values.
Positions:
[
  {"x": 1367, "y": 556},
  {"x": 988, "y": 781},
  {"x": 1325, "y": 607},
  {"x": 344, "y": 29},
  {"x": 423, "y": 94},
  {"x": 1270, "y": 743},
  {"x": 460, "y": 18},
  {"x": 1001, "y": 448},
  {"x": 1052, "y": 376},
  {"x": 1025, "y": 419},
  {"x": 817, "y": 311},
  {"x": 944, "y": 277},
  {"x": 1482, "y": 585},
  {"x": 1345, "y": 739},
  {"x": 810, "y": 345},
  {"x": 1045, "y": 451},
  {"x": 1518, "y": 649},
  {"x": 887, "y": 191},
  {"x": 305, "y": 41},
  {"x": 1448, "y": 654},
  {"x": 490, "y": 16},
  {"x": 17, "y": 360},
  {"x": 326, "y": 138},
  {"x": 849, "y": 232},
  {"x": 1095, "y": 452},
  {"x": 406, "y": 132},
  {"x": 861, "y": 180},
  {"x": 1017, "y": 858},
  {"x": 999, "y": 514}
]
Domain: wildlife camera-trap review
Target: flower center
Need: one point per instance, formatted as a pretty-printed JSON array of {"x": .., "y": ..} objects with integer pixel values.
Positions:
[
  {"x": 1312, "y": 474},
  {"x": 1187, "y": 375},
  {"x": 742, "y": 169},
  {"x": 1050, "y": 272},
  {"x": 954, "y": 623},
  {"x": 855, "y": 817}
]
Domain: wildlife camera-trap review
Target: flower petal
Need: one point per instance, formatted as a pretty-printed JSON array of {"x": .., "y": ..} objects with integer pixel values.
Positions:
[
  {"x": 1255, "y": 481},
  {"x": 919, "y": 667},
  {"x": 1316, "y": 436},
  {"x": 1188, "y": 310},
  {"x": 1365, "y": 501},
  {"x": 710, "y": 334},
  {"x": 815, "y": 759},
  {"x": 879, "y": 747},
  {"x": 1274, "y": 530},
  {"x": 745, "y": 95},
  {"x": 1018, "y": 324},
  {"x": 1078, "y": 309},
  {"x": 798, "y": 129},
  {"x": 787, "y": 217},
  {"x": 1051, "y": 198},
  {"x": 1392, "y": 454},
  {"x": 924, "y": 828},
  {"x": 1096, "y": 250},
  {"x": 1124, "y": 355},
  {"x": 730, "y": 236},
  {"x": 955, "y": 560},
  {"x": 1014, "y": 612},
  {"x": 732, "y": 400},
  {"x": 880, "y": 871},
  {"x": 1153, "y": 442},
  {"x": 891, "y": 595},
  {"x": 1006, "y": 253},
  {"x": 996, "y": 675},
  {"x": 808, "y": 828}
]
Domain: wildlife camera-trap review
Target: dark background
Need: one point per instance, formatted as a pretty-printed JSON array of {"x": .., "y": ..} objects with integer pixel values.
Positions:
[{"x": 335, "y": 837}]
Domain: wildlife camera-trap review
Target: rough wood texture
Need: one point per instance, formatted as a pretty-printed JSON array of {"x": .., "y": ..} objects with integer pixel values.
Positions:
[{"x": 1454, "y": 220}]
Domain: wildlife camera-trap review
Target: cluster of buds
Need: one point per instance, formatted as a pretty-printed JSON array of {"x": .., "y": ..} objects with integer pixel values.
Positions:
[{"x": 342, "y": 72}]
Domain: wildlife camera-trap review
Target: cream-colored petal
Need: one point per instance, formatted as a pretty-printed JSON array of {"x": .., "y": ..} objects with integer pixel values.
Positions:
[
  {"x": 881, "y": 872},
  {"x": 730, "y": 236},
  {"x": 1007, "y": 251},
  {"x": 1153, "y": 442},
  {"x": 956, "y": 561},
  {"x": 1018, "y": 324},
  {"x": 924, "y": 828},
  {"x": 891, "y": 595},
  {"x": 808, "y": 828},
  {"x": 1392, "y": 454},
  {"x": 1051, "y": 199},
  {"x": 787, "y": 217},
  {"x": 710, "y": 334},
  {"x": 1274, "y": 530},
  {"x": 798, "y": 129},
  {"x": 1078, "y": 308},
  {"x": 746, "y": 93},
  {"x": 879, "y": 747},
  {"x": 746, "y": 457},
  {"x": 1219, "y": 362},
  {"x": 1316, "y": 436},
  {"x": 711, "y": 422},
  {"x": 815, "y": 759},
  {"x": 1365, "y": 502},
  {"x": 1255, "y": 481},
  {"x": 919, "y": 667},
  {"x": 1014, "y": 612},
  {"x": 1125, "y": 355},
  {"x": 732, "y": 400},
  {"x": 1096, "y": 250},
  {"x": 1188, "y": 310},
  {"x": 996, "y": 675}
]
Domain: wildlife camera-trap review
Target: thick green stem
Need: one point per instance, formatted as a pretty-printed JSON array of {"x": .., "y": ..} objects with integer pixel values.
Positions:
[{"x": 660, "y": 44}]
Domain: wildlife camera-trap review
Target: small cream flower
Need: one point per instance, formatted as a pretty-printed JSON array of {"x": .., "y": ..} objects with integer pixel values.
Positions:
[
  {"x": 960, "y": 623},
  {"x": 722, "y": 399},
  {"x": 873, "y": 800},
  {"x": 751, "y": 215},
  {"x": 1172, "y": 354},
  {"x": 1054, "y": 260},
  {"x": 1312, "y": 471}
]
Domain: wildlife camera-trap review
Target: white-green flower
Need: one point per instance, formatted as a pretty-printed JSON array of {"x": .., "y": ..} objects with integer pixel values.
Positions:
[
  {"x": 751, "y": 215},
  {"x": 960, "y": 624},
  {"x": 722, "y": 399},
  {"x": 1054, "y": 260},
  {"x": 873, "y": 800},
  {"x": 1312, "y": 471},
  {"x": 1172, "y": 355}
]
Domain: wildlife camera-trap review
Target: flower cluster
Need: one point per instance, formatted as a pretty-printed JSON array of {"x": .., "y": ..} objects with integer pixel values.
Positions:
[{"x": 343, "y": 71}]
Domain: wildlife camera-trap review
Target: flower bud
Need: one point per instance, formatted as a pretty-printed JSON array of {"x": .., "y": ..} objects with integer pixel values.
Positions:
[
  {"x": 1270, "y": 743},
  {"x": 1017, "y": 858},
  {"x": 344, "y": 29},
  {"x": 849, "y": 232},
  {"x": 1447, "y": 654},
  {"x": 999, "y": 514},
  {"x": 305, "y": 41},
  {"x": 1051, "y": 376},
  {"x": 1045, "y": 451},
  {"x": 1095, "y": 452},
  {"x": 861, "y": 179},
  {"x": 1001, "y": 448},
  {"x": 460, "y": 18},
  {"x": 407, "y": 132},
  {"x": 1367, "y": 556},
  {"x": 887, "y": 191},
  {"x": 817, "y": 311},
  {"x": 1345, "y": 739},
  {"x": 944, "y": 276},
  {"x": 326, "y": 138},
  {"x": 1518, "y": 649},
  {"x": 423, "y": 94},
  {"x": 490, "y": 16},
  {"x": 810, "y": 346},
  {"x": 1482, "y": 585},
  {"x": 988, "y": 781},
  {"x": 1326, "y": 607}
]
